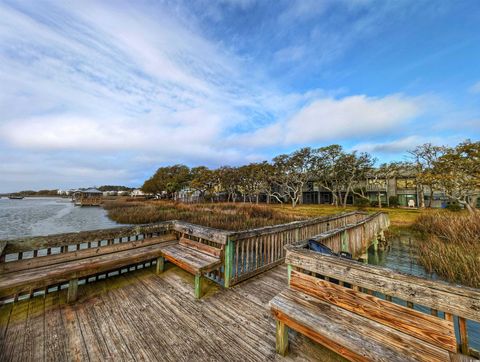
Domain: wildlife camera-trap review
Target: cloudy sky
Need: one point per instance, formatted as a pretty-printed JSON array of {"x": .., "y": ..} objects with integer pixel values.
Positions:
[{"x": 95, "y": 92}]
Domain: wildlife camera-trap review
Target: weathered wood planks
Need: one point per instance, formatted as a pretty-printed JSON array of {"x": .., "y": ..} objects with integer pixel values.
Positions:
[
  {"x": 430, "y": 329},
  {"x": 138, "y": 317},
  {"x": 189, "y": 259},
  {"x": 356, "y": 337}
]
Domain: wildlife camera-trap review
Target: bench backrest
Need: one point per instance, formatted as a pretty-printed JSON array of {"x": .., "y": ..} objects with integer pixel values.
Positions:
[
  {"x": 437, "y": 295},
  {"x": 431, "y": 329},
  {"x": 204, "y": 248},
  {"x": 65, "y": 256}
]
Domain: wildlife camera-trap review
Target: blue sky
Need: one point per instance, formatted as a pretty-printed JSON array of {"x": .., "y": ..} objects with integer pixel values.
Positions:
[{"x": 95, "y": 92}]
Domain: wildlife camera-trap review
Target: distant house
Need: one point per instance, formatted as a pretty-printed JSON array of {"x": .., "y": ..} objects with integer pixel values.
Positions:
[
  {"x": 137, "y": 193},
  {"x": 110, "y": 193}
]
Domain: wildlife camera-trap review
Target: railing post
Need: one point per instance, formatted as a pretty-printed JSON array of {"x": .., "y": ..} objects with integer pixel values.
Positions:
[
  {"x": 228, "y": 264},
  {"x": 344, "y": 238},
  {"x": 289, "y": 271},
  {"x": 375, "y": 242}
]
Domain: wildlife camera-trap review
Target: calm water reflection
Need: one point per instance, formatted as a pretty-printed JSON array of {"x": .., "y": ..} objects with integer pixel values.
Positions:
[
  {"x": 44, "y": 216},
  {"x": 401, "y": 254}
]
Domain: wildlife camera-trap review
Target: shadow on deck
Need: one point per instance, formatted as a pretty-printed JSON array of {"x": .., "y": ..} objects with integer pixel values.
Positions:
[{"x": 143, "y": 316}]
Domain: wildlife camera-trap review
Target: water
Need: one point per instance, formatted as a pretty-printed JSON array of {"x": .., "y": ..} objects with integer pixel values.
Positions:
[
  {"x": 50, "y": 215},
  {"x": 401, "y": 255}
]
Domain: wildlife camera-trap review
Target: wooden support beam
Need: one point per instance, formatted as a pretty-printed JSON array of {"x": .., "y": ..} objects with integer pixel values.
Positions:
[
  {"x": 160, "y": 264},
  {"x": 282, "y": 338},
  {"x": 72, "y": 290},
  {"x": 462, "y": 326},
  {"x": 198, "y": 286}
]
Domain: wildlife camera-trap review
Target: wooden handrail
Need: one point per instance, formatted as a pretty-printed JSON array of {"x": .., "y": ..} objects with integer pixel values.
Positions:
[{"x": 290, "y": 226}]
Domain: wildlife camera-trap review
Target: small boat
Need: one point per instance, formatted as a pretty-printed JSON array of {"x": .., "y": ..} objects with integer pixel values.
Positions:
[
  {"x": 321, "y": 248},
  {"x": 16, "y": 197}
]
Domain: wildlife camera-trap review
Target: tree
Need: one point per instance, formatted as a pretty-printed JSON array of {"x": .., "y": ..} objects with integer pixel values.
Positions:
[
  {"x": 424, "y": 158},
  {"x": 291, "y": 172},
  {"x": 352, "y": 170},
  {"x": 326, "y": 168},
  {"x": 169, "y": 179},
  {"x": 203, "y": 180},
  {"x": 457, "y": 173},
  {"x": 229, "y": 181}
]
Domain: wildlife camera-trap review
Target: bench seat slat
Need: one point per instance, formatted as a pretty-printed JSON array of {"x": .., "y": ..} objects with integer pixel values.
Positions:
[
  {"x": 360, "y": 339},
  {"x": 207, "y": 249},
  {"x": 20, "y": 281},
  {"x": 191, "y": 260},
  {"x": 430, "y": 329}
]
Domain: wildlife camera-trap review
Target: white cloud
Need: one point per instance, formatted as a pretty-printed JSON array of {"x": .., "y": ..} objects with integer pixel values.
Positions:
[
  {"x": 404, "y": 144},
  {"x": 331, "y": 119}
]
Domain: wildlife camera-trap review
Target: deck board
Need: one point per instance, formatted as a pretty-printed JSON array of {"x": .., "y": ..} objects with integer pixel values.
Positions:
[{"x": 144, "y": 316}]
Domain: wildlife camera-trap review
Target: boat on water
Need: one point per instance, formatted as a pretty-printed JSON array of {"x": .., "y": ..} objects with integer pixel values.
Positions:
[{"x": 16, "y": 197}]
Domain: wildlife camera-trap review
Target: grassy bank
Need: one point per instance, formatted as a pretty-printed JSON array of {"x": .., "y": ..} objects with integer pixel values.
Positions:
[{"x": 451, "y": 246}]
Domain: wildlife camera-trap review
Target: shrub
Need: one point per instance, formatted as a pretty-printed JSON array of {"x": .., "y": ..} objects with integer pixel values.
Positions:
[
  {"x": 393, "y": 201},
  {"x": 360, "y": 201},
  {"x": 454, "y": 207}
]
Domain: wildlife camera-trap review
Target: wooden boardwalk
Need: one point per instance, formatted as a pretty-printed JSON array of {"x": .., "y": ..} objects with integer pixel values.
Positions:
[{"x": 149, "y": 317}]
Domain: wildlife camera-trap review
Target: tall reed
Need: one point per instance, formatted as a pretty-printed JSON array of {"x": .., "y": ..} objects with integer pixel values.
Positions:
[{"x": 451, "y": 246}]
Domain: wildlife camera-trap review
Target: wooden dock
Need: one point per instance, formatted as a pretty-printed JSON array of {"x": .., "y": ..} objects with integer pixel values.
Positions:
[
  {"x": 144, "y": 316},
  {"x": 147, "y": 312}
]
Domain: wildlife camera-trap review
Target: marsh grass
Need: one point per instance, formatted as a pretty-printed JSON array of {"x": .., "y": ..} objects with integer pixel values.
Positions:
[
  {"x": 221, "y": 216},
  {"x": 450, "y": 246},
  {"x": 235, "y": 216}
]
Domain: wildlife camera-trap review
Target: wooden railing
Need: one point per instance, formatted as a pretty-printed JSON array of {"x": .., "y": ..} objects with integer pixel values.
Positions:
[
  {"x": 247, "y": 253},
  {"x": 355, "y": 238},
  {"x": 32, "y": 247},
  {"x": 452, "y": 302},
  {"x": 251, "y": 252}
]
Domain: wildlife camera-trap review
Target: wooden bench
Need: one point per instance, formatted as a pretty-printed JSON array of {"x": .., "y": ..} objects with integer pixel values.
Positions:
[
  {"x": 194, "y": 257},
  {"x": 30, "y": 275},
  {"x": 363, "y": 327}
]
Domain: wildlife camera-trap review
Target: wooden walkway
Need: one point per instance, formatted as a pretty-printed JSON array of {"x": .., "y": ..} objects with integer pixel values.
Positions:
[{"x": 149, "y": 317}]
